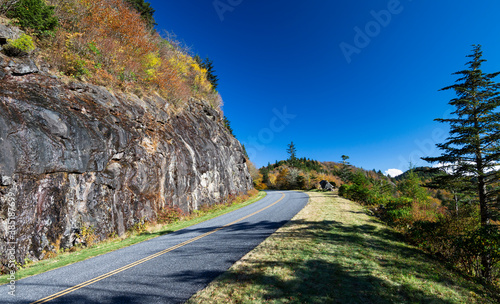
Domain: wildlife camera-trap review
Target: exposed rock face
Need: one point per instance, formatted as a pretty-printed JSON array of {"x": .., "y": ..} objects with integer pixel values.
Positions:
[
  {"x": 73, "y": 155},
  {"x": 9, "y": 32}
]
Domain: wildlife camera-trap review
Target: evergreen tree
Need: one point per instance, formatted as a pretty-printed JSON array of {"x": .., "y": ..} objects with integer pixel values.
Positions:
[
  {"x": 265, "y": 176},
  {"x": 146, "y": 11},
  {"x": 292, "y": 153},
  {"x": 345, "y": 173},
  {"x": 411, "y": 187},
  {"x": 34, "y": 14},
  {"x": 244, "y": 151},
  {"x": 198, "y": 60},
  {"x": 472, "y": 149},
  {"x": 208, "y": 64},
  {"x": 227, "y": 124},
  {"x": 211, "y": 76}
]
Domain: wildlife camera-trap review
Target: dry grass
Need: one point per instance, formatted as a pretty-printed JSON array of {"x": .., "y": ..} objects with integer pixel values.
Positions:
[{"x": 332, "y": 252}]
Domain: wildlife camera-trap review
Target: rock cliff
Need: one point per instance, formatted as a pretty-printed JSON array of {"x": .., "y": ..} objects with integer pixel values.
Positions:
[{"x": 74, "y": 154}]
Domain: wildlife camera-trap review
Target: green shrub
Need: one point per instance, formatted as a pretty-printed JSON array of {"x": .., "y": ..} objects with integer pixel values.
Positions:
[
  {"x": 35, "y": 15},
  {"x": 76, "y": 67},
  {"x": 342, "y": 190},
  {"x": 428, "y": 235},
  {"x": 398, "y": 211},
  {"x": 471, "y": 247},
  {"x": 19, "y": 47},
  {"x": 356, "y": 192}
]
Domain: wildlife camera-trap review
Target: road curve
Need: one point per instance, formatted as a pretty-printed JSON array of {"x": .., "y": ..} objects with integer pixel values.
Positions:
[{"x": 166, "y": 269}]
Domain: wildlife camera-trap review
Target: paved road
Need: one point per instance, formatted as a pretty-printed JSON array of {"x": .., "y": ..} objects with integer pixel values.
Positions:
[{"x": 167, "y": 269}]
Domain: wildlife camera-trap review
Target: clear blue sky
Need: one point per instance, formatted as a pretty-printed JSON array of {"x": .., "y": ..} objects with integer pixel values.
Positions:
[{"x": 284, "y": 75}]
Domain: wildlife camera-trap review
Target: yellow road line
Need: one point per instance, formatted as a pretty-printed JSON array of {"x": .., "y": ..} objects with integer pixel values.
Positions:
[{"x": 111, "y": 273}]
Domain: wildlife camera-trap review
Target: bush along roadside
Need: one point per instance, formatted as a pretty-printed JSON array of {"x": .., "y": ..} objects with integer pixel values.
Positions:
[
  {"x": 443, "y": 227},
  {"x": 331, "y": 252}
]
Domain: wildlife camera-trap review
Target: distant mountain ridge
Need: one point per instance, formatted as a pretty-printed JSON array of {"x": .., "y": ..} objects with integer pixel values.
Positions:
[{"x": 423, "y": 172}]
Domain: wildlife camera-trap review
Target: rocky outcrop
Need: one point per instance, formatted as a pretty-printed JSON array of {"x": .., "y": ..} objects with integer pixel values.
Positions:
[
  {"x": 325, "y": 185},
  {"x": 75, "y": 154},
  {"x": 8, "y": 32}
]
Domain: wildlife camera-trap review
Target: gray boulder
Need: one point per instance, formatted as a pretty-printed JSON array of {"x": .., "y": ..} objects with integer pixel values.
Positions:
[
  {"x": 7, "y": 32},
  {"x": 325, "y": 185},
  {"x": 23, "y": 66}
]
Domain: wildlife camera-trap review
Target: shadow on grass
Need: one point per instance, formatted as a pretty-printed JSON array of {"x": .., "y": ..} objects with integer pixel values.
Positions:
[
  {"x": 323, "y": 280},
  {"x": 318, "y": 281}
]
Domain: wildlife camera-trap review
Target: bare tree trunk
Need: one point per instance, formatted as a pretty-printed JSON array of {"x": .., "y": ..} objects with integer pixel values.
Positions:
[{"x": 485, "y": 221}]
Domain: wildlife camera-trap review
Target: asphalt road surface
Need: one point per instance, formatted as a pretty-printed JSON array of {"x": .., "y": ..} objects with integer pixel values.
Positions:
[{"x": 167, "y": 269}]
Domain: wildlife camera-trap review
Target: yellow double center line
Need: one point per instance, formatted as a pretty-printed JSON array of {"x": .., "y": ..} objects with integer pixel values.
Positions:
[{"x": 111, "y": 273}]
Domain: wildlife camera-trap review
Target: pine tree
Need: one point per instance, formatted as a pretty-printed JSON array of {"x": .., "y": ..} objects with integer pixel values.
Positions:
[
  {"x": 208, "y": 64},
  {"x": 34, "y": 14},
  {"x": 292, "y": 153},
  {"x": 211, "y": 76},
  {"x": 244, "y": 151},
  {"x": 344, "y": 172},
  {"x": 472, "y": 148},
  {"x": 227, "y": 124},
  {"x": 146, "y": 11},
  {"x": 411, "y": 187}
]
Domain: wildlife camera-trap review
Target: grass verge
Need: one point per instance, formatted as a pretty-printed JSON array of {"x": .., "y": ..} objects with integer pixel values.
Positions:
[
  {"x": 109, "y": 245},
  {"x": 333, "y": 252}
]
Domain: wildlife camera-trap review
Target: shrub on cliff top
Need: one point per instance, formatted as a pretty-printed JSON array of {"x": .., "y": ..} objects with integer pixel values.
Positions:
[
  {"x": 35, "y": 15},
  {"x": 112, "y": 43}
]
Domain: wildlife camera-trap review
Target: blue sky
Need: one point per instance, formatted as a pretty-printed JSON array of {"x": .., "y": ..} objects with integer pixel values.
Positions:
[{"x": 359, "y": 78}]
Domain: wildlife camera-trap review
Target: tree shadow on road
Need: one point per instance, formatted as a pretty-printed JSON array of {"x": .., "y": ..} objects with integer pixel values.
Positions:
[{"x": 130, "y": 298}]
